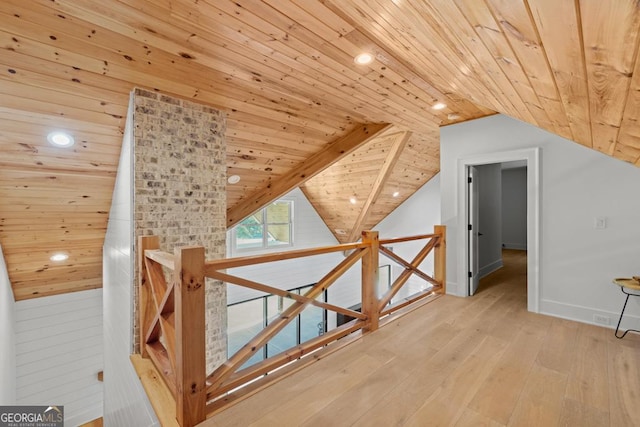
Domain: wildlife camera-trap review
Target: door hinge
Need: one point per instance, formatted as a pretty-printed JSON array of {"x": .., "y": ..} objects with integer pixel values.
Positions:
[
  {"x": 470, "y": 275},
  {"x": 469, "y": 227},
  {"x": 469, "y": 180}
]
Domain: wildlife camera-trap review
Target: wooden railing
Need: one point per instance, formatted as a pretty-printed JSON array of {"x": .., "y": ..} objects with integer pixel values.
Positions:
[{"x": 172, "y": 313}]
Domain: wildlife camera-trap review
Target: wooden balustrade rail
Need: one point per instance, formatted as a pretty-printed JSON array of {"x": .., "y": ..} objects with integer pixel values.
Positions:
[{"x": 172, "y": 313}]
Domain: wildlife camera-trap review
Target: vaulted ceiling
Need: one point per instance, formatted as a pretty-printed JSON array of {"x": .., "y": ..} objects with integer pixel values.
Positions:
[{"x": 284, "y": 73}]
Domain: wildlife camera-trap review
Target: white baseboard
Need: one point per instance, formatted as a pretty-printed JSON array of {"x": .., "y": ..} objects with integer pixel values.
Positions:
[
  {"x": 452, "y": 288},
  {"x": 490, "y": 268},
  {"x": 586, "y": 315},
  {"x": 518, "y": 246}
]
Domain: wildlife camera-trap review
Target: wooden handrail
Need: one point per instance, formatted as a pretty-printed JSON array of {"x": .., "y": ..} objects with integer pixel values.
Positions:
[
  {"x": 163, "y": 258},
  {"x": 407, "y": 239},
  {"x": 221, "y": 264},
  {"x": 172, "y": 315}
]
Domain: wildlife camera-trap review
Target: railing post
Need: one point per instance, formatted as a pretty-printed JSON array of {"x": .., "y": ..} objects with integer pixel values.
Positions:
[
  {"x": 440, "y": 258},
  {"x": 146, "y": 306},
  {"x": 189, "y": 284},
  {"x": 370, "y": 273}
]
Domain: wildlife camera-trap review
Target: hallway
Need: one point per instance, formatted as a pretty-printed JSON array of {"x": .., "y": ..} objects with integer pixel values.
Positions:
[{"x": 473, "y": 361}]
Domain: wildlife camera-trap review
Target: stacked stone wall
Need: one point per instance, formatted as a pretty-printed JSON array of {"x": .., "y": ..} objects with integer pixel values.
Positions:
[{"x": 180, "y": 191}]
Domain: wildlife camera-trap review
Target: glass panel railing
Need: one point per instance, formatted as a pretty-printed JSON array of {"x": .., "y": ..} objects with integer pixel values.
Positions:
[
  {"x": 286, "y": 338},
  {"x": 244, "y": 321},
  {"x": 312, "y": 323},
  {"x": 247, "y": 318}
]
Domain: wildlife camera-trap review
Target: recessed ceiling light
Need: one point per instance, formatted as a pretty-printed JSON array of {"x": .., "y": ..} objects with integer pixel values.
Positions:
[
  {"x": 363, "y": 59},
  {"x": 353, "y": 200},
  {"x": 233, "y": 179},
  {"x": 453, "y": 116},
  {"x": 396, "y": 193},
  {"x": 60, "y": 139},
  {"x": 59, "y": 257},
  {"x": 439, "y": 106},
  {"x": 340, "y": 231}
]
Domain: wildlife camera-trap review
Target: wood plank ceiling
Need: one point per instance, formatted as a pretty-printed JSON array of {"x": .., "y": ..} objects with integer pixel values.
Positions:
[{"x": 283, "y": 72}]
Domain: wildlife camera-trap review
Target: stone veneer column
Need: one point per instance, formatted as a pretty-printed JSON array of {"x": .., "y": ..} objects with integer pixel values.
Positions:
[{"x": 180, "y": 191}]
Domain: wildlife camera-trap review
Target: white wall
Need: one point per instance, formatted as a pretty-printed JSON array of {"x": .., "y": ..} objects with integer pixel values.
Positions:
[
  {"x": 59, "y": 353},
  {"x": 7, "y": 338},
  {"x": 490, "y": 218},
  {"x": 416, "y": 215},
  {"x": 577, "y": 262},
  {"x": 514, "y": 208},
  {"x": 125, "y": 401},
  {"x": 309, "y": 232}
]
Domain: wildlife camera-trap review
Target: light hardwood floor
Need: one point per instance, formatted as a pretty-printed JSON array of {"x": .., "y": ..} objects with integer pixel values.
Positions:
[{"x": 479, "y": 361}]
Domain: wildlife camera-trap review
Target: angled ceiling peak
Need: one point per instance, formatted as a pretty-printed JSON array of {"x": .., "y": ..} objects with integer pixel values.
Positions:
[
  {"x": 381, "y": 175},
  {"x": 306, "y": 170},
  {"x": 399, "y": 141}
]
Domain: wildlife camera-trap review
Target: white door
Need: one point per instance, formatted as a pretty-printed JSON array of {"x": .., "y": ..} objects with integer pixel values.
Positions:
[{"x": 473, "y": 215}]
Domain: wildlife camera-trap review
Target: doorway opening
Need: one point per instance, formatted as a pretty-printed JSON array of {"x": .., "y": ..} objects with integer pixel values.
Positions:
[
  {"x": 497, "y": 212},
  {"x": 468, "y": 249}
]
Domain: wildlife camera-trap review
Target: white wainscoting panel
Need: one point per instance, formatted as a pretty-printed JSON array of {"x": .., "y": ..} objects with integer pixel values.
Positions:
[
  {"x": 125, "y": 401},
  {"x": 7, "y": 338},
  {"x": 59, "y": 353}
]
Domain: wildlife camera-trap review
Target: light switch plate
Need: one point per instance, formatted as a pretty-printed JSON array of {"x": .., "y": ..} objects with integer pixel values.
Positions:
[{"x": 600, "y": 222}]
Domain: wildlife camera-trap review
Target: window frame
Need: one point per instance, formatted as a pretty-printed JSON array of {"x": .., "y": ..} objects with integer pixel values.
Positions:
[{"x": 265, "y": 247}]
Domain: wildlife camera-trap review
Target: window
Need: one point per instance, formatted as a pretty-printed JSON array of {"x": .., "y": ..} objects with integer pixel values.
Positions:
[{"x": 269, "y": 228}]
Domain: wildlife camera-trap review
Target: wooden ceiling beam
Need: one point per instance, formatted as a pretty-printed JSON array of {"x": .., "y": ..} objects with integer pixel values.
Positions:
[
  {"x": 305, "y": 171},
  {"x": 387, "y": 167}
]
